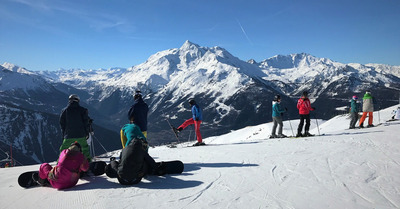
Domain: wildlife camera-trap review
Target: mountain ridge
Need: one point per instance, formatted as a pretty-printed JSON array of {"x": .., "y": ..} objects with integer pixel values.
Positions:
[{"x": 233, "y": 93}]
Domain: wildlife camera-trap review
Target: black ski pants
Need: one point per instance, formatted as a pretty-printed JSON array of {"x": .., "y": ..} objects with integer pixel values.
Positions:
[{"x": 301, "y": 124}]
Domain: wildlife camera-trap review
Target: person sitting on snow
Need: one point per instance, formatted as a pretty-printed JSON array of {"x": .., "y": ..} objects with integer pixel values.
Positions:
[
  {"x": 135, "y": 162},
  {"x": 67, "y": 171}
]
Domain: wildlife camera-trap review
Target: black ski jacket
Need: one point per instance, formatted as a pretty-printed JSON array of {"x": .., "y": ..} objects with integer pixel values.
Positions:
[
  {"x": 74, "y": 121},
  {"x": 135, "y": 162},
  {"x": 139, "y": 112}
]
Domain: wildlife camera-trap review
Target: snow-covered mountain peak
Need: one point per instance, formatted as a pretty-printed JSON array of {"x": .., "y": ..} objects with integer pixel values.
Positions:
[
  {"x": 189, "y": 46},
  {"x": 187, "y": 70},
  {"x": 252, "y": 61},
  {"x": 13, "y": 77},
  {"x": 15, "y": 68},
  {"x": 302, "y": 60}
]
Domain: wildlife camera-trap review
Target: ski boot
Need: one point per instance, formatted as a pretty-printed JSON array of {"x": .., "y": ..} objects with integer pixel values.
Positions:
[
  {"x": 177, "y": 130},
  {"x": 299, "y": 135},
  {"x": 40, "y": 181},
  {"x": 308, "y": 134},
  {"x": 199, "y": 144}
]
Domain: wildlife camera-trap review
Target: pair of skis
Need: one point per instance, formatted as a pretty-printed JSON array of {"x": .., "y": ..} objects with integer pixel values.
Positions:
[{"x": 174, "y": 130}]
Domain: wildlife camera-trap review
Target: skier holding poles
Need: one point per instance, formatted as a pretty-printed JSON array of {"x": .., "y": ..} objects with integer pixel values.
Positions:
[
  {"x": 277, "y": 113},
  {"x": 196, "y": 119},
  {"x": 304, "y": 106}
]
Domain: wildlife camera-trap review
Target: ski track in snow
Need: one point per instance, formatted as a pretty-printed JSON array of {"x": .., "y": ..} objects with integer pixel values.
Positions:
[{"x": 200, "y": 193}]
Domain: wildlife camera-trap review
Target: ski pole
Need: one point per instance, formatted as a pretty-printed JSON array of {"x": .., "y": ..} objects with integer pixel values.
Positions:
[
  {"x": 290, "y": 123},
  {"x": 291, "y": 127},
  {"x": 100, "y": 143},
  {"x": 316, "y": 120},
  {"x": 379, "y": 115},
  {"x": 171, "y": 127},
  {"x": 92, "y": 145}
]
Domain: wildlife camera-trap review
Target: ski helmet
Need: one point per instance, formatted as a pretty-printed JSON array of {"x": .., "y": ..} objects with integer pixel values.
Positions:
[
  {"x": 74, "y": 98},
  {"x": 138, "y": 94},
  {"x": 192, "y": 102},
  {"x": 305, "y": 94},
  {"x": 355, "y": 97},
  {"x": 277, "y": 97}
]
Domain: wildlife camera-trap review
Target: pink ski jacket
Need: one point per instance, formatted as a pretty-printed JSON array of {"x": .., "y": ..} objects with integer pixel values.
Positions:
[{"x": 67, "y": 172}]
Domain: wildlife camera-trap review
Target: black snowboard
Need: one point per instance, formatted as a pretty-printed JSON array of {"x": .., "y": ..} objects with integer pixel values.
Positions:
[
  {"x": 25, "y": 179},
  {"x": 97, "y": 167},
  {"x": 172, "y": 167}
]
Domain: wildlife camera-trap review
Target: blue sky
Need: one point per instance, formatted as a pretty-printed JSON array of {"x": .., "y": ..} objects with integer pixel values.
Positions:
[{"x": 92, "y": 34}]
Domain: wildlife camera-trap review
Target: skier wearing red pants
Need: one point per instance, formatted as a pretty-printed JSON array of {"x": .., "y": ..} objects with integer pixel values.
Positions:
[{"x": 196, "y": 120}]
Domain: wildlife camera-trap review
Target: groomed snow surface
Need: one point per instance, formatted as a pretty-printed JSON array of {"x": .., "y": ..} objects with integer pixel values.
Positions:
[{"x": 245, "y": 169}]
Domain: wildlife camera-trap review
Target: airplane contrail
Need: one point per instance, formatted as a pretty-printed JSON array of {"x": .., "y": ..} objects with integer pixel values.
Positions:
[{"x": 244, "y": 32}]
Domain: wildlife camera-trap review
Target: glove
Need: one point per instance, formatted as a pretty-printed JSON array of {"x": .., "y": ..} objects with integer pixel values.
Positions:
[
  {"x": 313, "y": 108},
  {"x": 145, "y": 146},
  {"x": 89, "y": 139}
]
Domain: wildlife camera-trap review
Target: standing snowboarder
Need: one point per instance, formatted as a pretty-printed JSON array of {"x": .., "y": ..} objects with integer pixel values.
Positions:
[
  {"x": 139, "y": 111},
  {"x": 196, "y": 119},
  {"x": 67, "y": 171},
  {"x": 304, "y": 106},
  {"x": 354, "y": 109},
  {"x": 368, "y": 109},
  {"x": 75, "y": 125},
  {"x": 277, "y": 113}
]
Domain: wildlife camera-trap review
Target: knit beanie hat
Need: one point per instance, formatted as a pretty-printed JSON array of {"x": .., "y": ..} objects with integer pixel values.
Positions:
[{"x": 75, "y": 147}]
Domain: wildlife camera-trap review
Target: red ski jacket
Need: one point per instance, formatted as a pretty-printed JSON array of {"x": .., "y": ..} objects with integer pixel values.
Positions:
[{"x": 304, "y": 106}]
